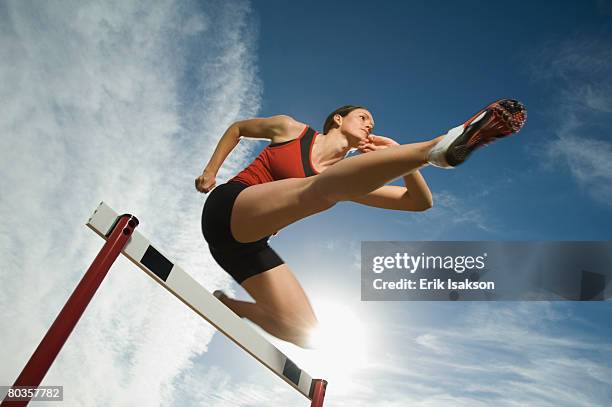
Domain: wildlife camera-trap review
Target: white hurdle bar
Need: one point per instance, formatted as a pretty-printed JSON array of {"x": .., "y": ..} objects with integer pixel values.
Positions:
[{"x": 174, "y": 279}]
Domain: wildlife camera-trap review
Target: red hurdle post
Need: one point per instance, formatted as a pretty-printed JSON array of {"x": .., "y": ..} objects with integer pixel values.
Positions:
[
  {"x": 46, "y": 352},
  {"x": 318, "y": 393}
]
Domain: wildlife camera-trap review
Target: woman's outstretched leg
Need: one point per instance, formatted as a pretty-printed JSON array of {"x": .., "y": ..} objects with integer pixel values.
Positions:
[
  {"x": 264, "y": 209},
  {"x": 357, "y": 176}
]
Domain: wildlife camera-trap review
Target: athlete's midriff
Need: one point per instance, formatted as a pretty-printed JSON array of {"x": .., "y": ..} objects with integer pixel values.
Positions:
[{"x": 291, "y": 159}]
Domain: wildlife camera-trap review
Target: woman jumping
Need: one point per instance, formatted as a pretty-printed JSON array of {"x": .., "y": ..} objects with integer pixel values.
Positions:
[{"x": 303, "y": 172}]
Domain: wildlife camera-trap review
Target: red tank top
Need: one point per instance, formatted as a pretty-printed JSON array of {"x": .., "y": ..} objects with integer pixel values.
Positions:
[{"x": 290, "y": 159}]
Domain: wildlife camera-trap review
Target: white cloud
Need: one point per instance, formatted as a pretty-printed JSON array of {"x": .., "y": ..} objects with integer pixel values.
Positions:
[
  {"x": 212, "y": 386},
  {"x": 579, "y": 71},
  {"x": 590, "y": 162},
  {"x": 431, "y": 342},
  {"x": 450, "y": 211},
  {"x": 196, "y": 24},
  {"x": 596, "y": 97},
  {"x": 122, "y": 102}
]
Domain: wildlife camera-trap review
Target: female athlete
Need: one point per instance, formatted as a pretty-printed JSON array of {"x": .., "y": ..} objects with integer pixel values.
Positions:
[{"x": 301, "y": 173}]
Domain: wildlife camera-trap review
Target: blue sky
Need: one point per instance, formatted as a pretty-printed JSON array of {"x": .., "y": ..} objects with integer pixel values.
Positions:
[{"x": 125, "y": 102}]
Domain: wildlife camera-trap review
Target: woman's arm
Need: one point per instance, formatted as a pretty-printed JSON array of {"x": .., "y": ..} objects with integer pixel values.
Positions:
[
  {"x": 228, "y": 141},
  {"x": 410, "y": 198},
  {"x": 270, "y": 128},
  {"x": 418, "y": 190},
  {"x": 416, "y": 196},
  {"x": 207, "y": 180}
]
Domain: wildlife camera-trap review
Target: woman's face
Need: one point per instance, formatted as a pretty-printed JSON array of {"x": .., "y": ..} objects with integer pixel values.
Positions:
[{"x": 356, "y": 125}]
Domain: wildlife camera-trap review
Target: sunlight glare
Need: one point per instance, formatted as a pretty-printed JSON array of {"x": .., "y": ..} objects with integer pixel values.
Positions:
[{"x": 339, "y": 342}]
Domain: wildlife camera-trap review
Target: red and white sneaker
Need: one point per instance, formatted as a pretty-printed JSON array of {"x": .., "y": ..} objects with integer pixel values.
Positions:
[{"x": 498, "y": 120}]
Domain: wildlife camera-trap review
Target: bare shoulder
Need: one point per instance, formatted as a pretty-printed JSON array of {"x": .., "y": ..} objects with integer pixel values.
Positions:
[
  {"x": 275, "y": 128},
  {"x": 291, "y": 129}
]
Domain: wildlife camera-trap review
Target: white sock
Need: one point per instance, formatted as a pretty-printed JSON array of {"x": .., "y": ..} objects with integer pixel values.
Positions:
[{"x": 436, "y": 155}]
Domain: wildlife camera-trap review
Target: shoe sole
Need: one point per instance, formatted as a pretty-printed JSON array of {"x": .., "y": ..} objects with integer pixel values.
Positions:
[{"x": 498, "y": 120}]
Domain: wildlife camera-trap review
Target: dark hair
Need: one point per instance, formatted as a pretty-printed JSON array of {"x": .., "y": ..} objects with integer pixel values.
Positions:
[{"x": 342, "y": 111}]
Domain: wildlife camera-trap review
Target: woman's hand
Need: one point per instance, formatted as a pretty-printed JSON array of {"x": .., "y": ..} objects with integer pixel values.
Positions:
[
  {"x": 373, "y": 143},
  {"x": 205, "y": 182}
]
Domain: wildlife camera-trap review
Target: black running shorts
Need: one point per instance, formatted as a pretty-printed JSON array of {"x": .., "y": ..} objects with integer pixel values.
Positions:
[{"x": 240, "y": 260}]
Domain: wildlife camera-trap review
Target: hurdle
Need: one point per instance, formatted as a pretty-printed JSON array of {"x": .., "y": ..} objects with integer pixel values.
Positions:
[{"x": 121, "y": 237}]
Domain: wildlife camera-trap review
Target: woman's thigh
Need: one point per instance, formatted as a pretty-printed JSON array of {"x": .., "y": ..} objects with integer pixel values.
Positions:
[{"x": 263, "y": 209}]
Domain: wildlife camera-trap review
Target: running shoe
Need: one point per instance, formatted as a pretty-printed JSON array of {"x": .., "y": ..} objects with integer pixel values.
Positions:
[
  {"x": 498, "y": 120},
  {"x": 219, "y": 294}
]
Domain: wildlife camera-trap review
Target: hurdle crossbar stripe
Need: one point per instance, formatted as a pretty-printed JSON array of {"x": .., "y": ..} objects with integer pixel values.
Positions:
[{"x": 172, "y": 277}]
